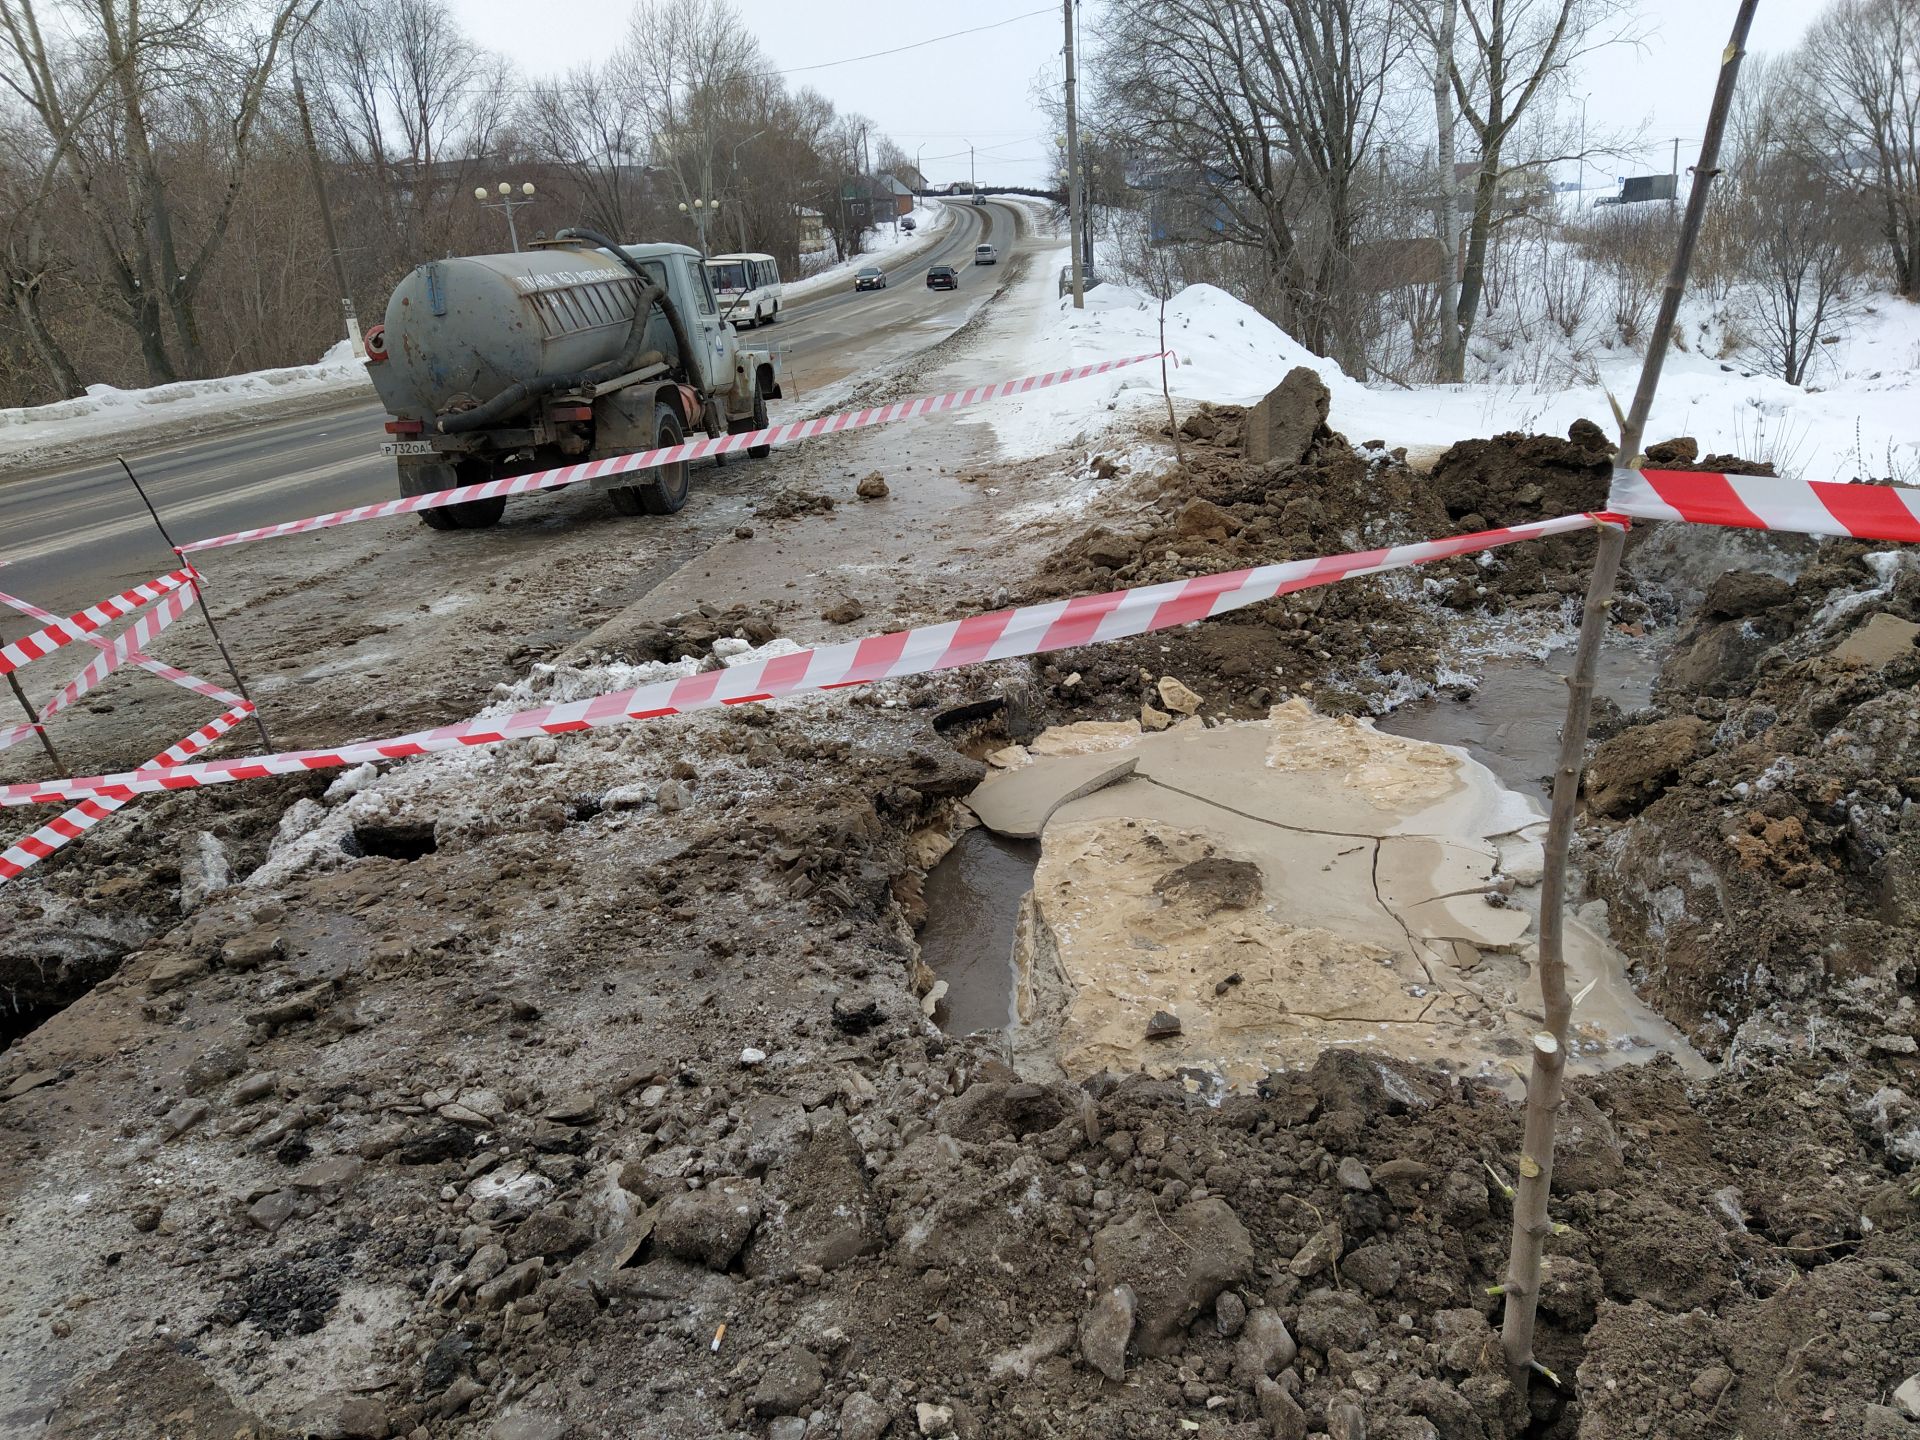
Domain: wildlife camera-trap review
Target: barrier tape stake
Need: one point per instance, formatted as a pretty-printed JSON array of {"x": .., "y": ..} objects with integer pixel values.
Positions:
[
  {"x": 33, "y": 718},
  {"x": 206, "y": 606}
]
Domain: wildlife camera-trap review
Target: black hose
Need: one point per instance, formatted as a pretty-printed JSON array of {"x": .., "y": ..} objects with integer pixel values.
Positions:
[{"x": 665, "y": 302}]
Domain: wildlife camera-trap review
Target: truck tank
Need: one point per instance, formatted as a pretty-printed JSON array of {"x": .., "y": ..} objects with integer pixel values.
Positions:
[{"x": 461, "y": 330}]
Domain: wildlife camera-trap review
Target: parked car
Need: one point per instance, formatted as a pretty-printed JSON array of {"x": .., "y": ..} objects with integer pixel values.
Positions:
[
  {"x": 943, "y": 277},
  {"x": 870, "y": 277},
  {"x": 907, "y": 224},
  {"x": 978, "y": 198},
  {"x": 985, "y": 255}
]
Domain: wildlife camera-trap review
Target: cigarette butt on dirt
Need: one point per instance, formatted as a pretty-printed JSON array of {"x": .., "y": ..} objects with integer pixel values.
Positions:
[{"x": 718, "y": 1336}]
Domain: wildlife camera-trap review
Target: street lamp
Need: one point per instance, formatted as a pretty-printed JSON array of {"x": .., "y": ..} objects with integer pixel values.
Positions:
[
  {"x": 701, "y": 210},
  {"x": 507, "y": 204}
]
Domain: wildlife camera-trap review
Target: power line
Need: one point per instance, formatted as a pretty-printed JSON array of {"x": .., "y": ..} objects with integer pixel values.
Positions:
[{"x": 916, "y": 45}]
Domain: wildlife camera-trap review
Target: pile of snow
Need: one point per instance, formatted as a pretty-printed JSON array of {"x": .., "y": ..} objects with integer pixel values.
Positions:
[
  {"x": 33, "y": 432},
  {"x": 887, "y": 246},
  {"x": 1858, "y": 422}
]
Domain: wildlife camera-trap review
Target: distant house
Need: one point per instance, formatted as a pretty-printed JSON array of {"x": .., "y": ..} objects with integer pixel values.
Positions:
[
  {"x": 903, "y": 197},
  {"x": 813, "y": 229}
]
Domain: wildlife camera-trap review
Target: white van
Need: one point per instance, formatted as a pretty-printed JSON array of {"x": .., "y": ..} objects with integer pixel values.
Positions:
[{"x": 747, "y": 287}]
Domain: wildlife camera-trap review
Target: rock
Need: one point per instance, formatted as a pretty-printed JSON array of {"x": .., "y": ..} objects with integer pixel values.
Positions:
[
  {"x": 843, "y": 612},
  {"x": 1352, "y": 1174},
  {"x": 863, "y": 1418},
  {"x": 1152, "y": 720},
  {"x": 818, "y": 1206},
  {"x": 1265, "y": 1347},
  {"x": 530, "y": 1425},
  {"x": 1711, "y": 1383},
  {"x": 547, "y": 1232},
  {"x": 787, "y": 1427},
  {"x": 257, "y": 1086},
  {"x": 1109, "y": 549},
  {"x": 1281, "y": 427},
  {"x": 1163, "y": 1026},
  {"x": 672, "y": 796},
  {"x": 1375, "y": 1269},
  {"x": 1468, "y": 1345},
  {"x": 1684, "y": 449},
  {"x": 1883, "y": 1422},
  {"x": 1320, "y": 1253},
  {"x": 1586, "y": 1153},
  {"x": 573, "y": 1109},
  {"x": 1201, "y": 519},
  {"x": 789, "y": 1383},
  {"x": 1229, "y": 1314},
  {"x": 343, "y": 1418},
  {"x": 1631, "y": 770},
  {"x": 1878, "y": 643},
  {"x": 1284, "y": 1418},
  {"x": 488, "y": 1261},
  {"x": 336, "y": 1172},
  {"x": 1740, "y": 593},
  {"x": 510, "y": 1284},
  {"x": 174, "y": 970},
  {"x": 204, "y": 871},
  {"x": 1177, "y": 697},
  {"x": 1105, "y": 1331},
  {"x": 1200, "y": 425},
  {"x": 872, "y": 487},
  {"x": 1906, "y": 1398},
  {"x": 212, "y": 1066},
  {"x": 1331, "y": 1319},
  {"x": 1211, "y": 885},
  {"x": 752, "y": 1056},
  {"x": 184, "y": 1116},
  {"x": 251, "y": 951},
  {"x": 710, "y": 1226},
  {"x": 1174, "y": 1276},
  {"x": 935, "y": 1421},
  {"x": 1345, "y": 1419},
  {"x": 272, "y": 1210}
]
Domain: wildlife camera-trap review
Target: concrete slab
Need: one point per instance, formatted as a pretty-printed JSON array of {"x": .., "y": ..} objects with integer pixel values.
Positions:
[{"x": 1018, "y": 803}]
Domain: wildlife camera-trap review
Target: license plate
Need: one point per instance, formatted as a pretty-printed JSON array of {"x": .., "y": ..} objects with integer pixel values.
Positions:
[{"x": 407, "y": 447}]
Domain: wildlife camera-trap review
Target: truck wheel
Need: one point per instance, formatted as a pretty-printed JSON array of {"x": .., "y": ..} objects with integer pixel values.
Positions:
[
  {"x": 758, "y": 421},
  {"x": 667, "y": 490},
  {"x": 773, "y": 314},
  {"x": 470, "y": 514}
]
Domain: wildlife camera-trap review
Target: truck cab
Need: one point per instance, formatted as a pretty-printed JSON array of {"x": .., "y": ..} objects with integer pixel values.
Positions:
[{"x": 495, "y": 365}]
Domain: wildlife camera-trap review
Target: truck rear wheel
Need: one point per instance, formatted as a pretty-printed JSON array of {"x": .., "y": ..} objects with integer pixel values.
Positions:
[
  {"x": 469, "y": 514},
  {"x": 665, "y": 491}
]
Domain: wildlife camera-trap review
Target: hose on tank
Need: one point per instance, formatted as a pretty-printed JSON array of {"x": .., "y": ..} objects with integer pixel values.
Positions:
[{"x": 663, "y": 300}]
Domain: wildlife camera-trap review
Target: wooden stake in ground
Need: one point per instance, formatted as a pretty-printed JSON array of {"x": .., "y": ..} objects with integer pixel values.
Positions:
[
  {"x": 1173, "y": 425},
  {"x": 1530, "y": 1223},
  {"x": 206, "y": 609},
  {"x": 39, "y": 730}
]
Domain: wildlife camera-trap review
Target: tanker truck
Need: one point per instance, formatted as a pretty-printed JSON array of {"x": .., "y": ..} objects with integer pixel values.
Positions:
[{"x": 494, "y": 365}]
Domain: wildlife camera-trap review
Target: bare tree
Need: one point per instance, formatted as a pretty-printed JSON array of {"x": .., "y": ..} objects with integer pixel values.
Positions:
[
  {"x": 593, "y": 129},
  {"x": 1859, "y": 68},
  {"x": 1266, "y": 111},
  {"x": 1509, "y": 55},
  {"x": 97, "y": 104}
]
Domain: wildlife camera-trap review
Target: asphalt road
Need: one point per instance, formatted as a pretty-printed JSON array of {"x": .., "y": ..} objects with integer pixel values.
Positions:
[{"x": 70, "y": 536}]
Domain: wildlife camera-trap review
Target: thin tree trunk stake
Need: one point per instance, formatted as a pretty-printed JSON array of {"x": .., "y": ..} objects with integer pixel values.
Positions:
[
  {"x": 206, "y": 607},
  {"x": 1530, "y": 1223},
  {"x": 33, "y": 717}
]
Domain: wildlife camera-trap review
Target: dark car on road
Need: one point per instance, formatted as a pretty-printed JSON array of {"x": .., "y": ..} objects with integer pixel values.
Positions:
[
  {"x": 870, "y": 277},
  {"x": 943, "y": 277}
]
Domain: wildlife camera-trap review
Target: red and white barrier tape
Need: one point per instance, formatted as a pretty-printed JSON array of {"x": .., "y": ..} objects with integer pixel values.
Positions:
[
  {"x": 73, "y": 823},
  {"x": 130, "y": 642},
  {"x": 145, "y": 662},
  {"x": 82, "y": 623},
  {"x": 1003, "y": 635},
  {"x": 688, "y": 450},
  {"x": 1763, "y": 502}
]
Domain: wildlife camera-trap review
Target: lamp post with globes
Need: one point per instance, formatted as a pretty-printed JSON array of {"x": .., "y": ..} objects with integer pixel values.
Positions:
[
  {"x": 702, "y": 210},
  {"x": 507, "y": 204}
]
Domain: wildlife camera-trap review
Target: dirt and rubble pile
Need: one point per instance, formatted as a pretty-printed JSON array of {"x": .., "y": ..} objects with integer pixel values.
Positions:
[{"x": 1758, "y": 843}]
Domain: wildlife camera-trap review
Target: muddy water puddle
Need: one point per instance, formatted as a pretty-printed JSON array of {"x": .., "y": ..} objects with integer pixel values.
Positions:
[
  {"x": 973, "y": 899},
  {"x": 1511, "y": 722}
]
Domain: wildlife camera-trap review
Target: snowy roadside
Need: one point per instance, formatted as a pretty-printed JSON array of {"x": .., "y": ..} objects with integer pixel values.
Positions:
[
  {"x": 107, "y": 419},
  {"x": 888, "y": 248}
]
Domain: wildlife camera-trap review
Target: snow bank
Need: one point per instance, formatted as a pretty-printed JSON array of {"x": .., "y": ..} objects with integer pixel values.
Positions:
[
  {"x": 35, "y": 434},
  {"x": 1856, "y": 420},
  {"x": 886, "y": 246}
]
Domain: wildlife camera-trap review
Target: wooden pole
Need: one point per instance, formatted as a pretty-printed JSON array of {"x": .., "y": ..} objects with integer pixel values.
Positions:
[
  {"x": 1076, "y": 217},
  {"x": 39, "y": 730},
  {"x": 1530, "y": 1223}
]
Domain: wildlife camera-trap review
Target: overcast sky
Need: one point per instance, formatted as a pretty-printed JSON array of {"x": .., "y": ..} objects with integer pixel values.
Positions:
[{"x": 980, "y": 87}]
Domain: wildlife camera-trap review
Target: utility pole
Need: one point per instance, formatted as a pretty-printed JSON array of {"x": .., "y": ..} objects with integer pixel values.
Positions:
[
  {"x": 1673, "y": 199},
  {"x": 319, "y": 174},
  {"x": 973, "y": 175},
  {"x": 1075, "y": 219}
]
